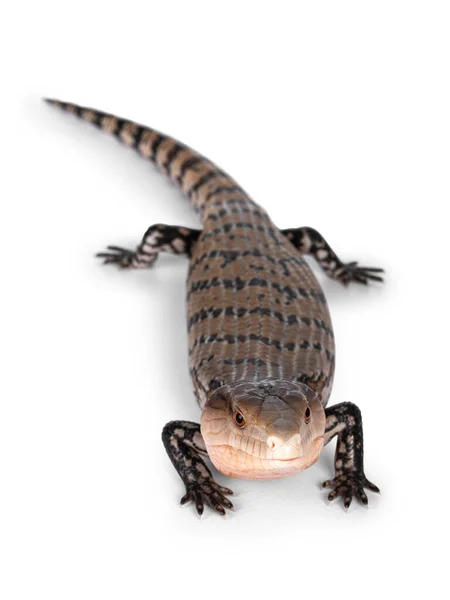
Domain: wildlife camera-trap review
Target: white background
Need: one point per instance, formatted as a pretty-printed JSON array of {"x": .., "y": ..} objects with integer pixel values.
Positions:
[{"x": 331, "y": 114}]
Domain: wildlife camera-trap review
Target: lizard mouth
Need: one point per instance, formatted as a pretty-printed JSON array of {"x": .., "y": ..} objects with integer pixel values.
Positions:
[
  {"x": 256, "y": 456},
  {"x": 244, "y": 465}
]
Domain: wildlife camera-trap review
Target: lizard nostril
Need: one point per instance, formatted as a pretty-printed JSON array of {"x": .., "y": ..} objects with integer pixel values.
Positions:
[{"x": 273, "y": 442}]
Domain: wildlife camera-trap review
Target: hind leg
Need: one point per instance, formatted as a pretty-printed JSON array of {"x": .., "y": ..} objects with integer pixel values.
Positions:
[
  {"x": 157, "y": 238},
  {"x": 309, "y": 241}
]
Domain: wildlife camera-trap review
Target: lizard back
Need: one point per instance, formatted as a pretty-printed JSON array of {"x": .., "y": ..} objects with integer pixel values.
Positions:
[{"x": 255, "y": 309}]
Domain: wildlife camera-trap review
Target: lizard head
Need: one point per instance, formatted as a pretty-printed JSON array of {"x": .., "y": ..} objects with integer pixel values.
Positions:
[{"x": 263, "y": 430}]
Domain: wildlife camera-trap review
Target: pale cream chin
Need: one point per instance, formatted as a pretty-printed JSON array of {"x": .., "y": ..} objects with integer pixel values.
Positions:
[{"x": 237, "y": 463}]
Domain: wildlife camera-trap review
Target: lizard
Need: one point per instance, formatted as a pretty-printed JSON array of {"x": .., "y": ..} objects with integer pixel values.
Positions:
[{"x": 261, "y": 342}]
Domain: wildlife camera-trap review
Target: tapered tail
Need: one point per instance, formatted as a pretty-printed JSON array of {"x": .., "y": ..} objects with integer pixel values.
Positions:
[{"x": 198, "y": 178}]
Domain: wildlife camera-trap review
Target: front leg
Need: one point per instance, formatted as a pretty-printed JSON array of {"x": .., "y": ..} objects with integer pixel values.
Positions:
[
  {"x": 157, "y": 238},
  {"x": 184, "y": 444},
  {"x": 344, "y": 420},
  {"x": 310, "y": 241}
]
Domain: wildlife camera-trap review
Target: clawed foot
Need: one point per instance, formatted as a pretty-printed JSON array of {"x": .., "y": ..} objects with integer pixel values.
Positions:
[
  {"x": 349, "y": 486},
  {"x": 126, "y": 259},
  {"x": 352, "y": 272},
  {"x": 208, "y": 492}
]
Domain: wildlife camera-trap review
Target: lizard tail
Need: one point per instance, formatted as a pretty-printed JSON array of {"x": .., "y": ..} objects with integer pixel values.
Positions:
[{"x": 200, "y": 179}]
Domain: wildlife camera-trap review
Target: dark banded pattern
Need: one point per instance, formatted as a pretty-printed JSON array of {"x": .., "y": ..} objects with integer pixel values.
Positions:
[
  {"x": 175, "y": 149},
  {"x": 236, "y": 312},
  {"x": 239, "y": 284},
  {"x": 268, "y": 341},
  {"x": 229, "y": 256},
  {"x": 255, "y": 310},
  {"x": 188, "y": 169}
]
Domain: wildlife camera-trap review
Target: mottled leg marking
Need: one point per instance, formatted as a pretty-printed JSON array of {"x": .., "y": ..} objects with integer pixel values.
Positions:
[
  {"x": 309, "y": 241},
  {"x": 344, "y": 420},
  {"x": 184, "y": 444},
  {"x": 157, "y": 238}
]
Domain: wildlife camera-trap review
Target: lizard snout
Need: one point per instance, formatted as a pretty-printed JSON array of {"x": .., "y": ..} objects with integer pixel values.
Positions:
[{"x": 285, "y": 449}]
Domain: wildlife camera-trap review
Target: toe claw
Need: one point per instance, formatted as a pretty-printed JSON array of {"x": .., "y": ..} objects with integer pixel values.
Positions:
[
  {"x": 199, "y": 503},
  {"x": 227, "y": 503},
  {"x": 185, "y": 498},
  {"x": 225, "y": 490},
  {"x": 118, "y": 249},
  {"x": 347, "y": 502},
  {"x": 332, "y": 496},
  {"x": 360, "y": 279},
  {"x": 372, "y": 487},
  {"x": 371, "y": 269}
]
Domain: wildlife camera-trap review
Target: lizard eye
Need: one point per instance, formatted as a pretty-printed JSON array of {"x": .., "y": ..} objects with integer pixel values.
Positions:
[
  {"x": 239, "y": 418},
  {"x": 307, "y": 415}
]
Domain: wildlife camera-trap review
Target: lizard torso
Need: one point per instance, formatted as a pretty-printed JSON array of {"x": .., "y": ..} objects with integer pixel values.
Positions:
[{"x": 255, "y": 309}]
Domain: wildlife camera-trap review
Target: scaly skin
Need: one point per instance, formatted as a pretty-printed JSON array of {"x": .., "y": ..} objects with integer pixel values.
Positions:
[{"x": 261, "y": 344}]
